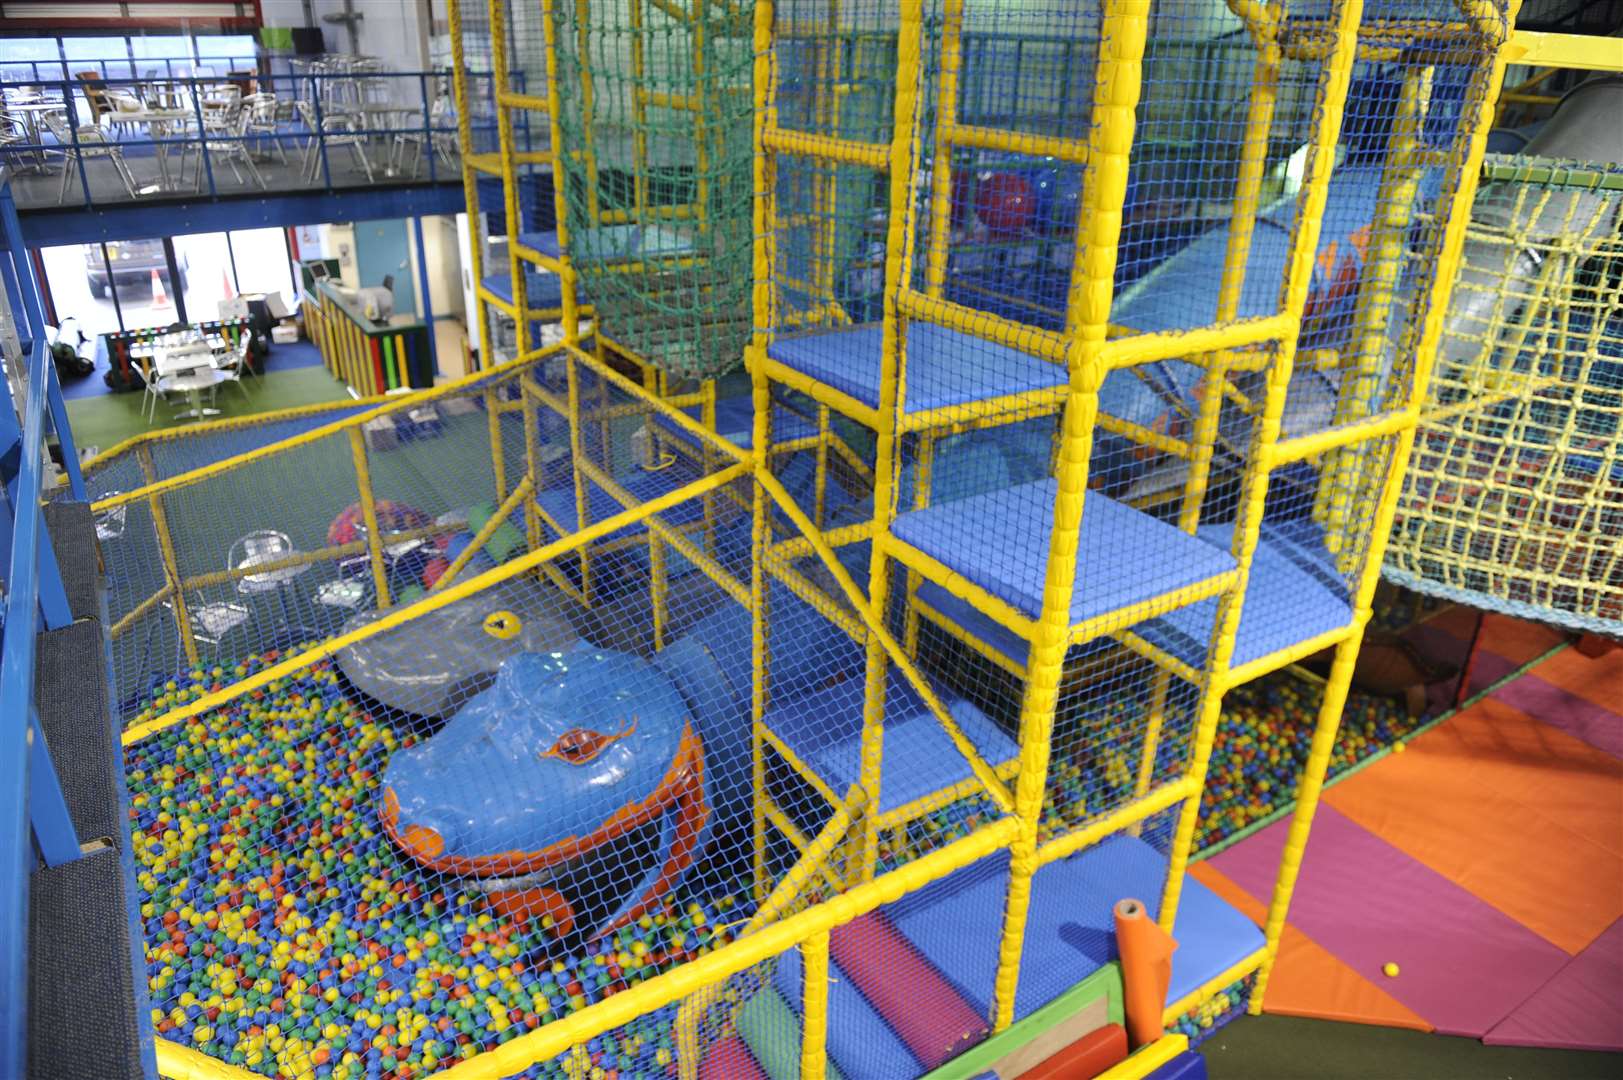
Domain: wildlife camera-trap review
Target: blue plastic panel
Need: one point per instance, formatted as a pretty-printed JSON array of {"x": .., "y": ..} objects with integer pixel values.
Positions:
[
  {"x": 998, "y": 541},
  {"x": 944, "y": 367}
]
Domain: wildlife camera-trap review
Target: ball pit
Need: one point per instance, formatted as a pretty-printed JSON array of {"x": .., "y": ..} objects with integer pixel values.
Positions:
[
  {"x": 1201, "y": 1022},
  {"x": 1263, "y": 741},
  {"x": 285, "y": 934}
]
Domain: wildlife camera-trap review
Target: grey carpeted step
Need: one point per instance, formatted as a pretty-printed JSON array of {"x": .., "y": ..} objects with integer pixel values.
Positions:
[
  {"x": 70, "y": 692},
  {"x": 73, "y": 536},
  {"x": 81, "y": 992}
]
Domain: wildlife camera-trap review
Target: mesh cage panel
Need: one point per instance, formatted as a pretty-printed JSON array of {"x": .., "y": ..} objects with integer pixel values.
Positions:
[
  {"x": 1514, "y": 496},
  {"x": 657, "y": 161}
]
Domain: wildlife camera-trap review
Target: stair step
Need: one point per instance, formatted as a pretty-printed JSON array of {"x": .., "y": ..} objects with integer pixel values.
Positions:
[
  {"x": 860, "y": 1042},
  {"x": 71, "y": 695},
  {"x": 73, "y": 537},
  {"x": 81, "y": 995}
]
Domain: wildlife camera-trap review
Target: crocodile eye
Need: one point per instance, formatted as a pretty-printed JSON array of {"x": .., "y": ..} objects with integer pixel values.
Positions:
[{"x": 577, "y": 746}]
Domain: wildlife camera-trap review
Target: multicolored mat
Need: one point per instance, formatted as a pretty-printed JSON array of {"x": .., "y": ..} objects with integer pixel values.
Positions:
[{"x": 1484, "y": 859}]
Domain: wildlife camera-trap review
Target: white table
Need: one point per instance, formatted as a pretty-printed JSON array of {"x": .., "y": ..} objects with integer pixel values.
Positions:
[
  {"x": 179, "y": 359},
  {"x": 29, "y": 112},
  {"x": 192, "y": 383},
  {"x": 154, "y": 121}
]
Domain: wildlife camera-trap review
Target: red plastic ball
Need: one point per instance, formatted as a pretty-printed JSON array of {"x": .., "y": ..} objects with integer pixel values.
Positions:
[{"x": 1004, "y": 204}]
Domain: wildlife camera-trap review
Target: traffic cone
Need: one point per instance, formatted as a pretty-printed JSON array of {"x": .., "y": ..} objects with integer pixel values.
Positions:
[{"x": 160, "y": 297}]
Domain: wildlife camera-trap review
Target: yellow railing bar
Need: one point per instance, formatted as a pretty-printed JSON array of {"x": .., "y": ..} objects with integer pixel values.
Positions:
[
  {"x": 818, "y": 391},
  {"x": 1138, "y": 349},
  {"x": 1158, "y": 656},
  {"x": 801, "y": 586},
  {"x": 516, "y": 100},
  {"x": 171, "y": 565},
  {"x": 982, "y": 324},
  {"x": 1146, "y": 1060},
  {"x": 827, "y": 147},
  {"x": 1212, "y": 987},
  {"x": 705, "y": 435},
  {"x": 548, "y": 1042},
  {"x": 1137, "y": 612},
  {"x": 811, "y": 862},
  {"x": 993, "y": 607},
  {"x": 482, "y": 537},
  {"x": 118, "y": 628},
  {"x": 1303, "y": 447},
  {"x": 1144, "y": 436},
  {"x": 880, "y": 635},
  {"x": 1072, "y": 151},
  {"x": 401, "y": 615},
  {"x": 369, "y": 514},
  {"x": 177, "y": 1062},
  {"x": 1159, "y": 799},
  {"x": 394, "y": 403},
  {"x": 670, "y": 535},
  {"x": 951, "y": 37}
]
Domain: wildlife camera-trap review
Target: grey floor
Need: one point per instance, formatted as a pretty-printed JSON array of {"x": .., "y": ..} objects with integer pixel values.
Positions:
[{"x": 34, "y": 190}]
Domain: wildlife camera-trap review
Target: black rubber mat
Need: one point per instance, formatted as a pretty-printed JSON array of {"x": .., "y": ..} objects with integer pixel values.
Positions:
[
  {"x": 81, "y": 991},
  {"x": 70, "y": 691},
  {"x": 73, "y": 536}
]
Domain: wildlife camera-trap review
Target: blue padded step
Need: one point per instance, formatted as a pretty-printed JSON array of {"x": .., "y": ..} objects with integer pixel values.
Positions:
[
  {"x": 999, "y": 541},
  {"x": 1070, "y": 931},
  {"x": 979, "y": 626},
  {"x": 543, "y": 291},
  {"x": 944, "y": 367},
  {"x": 859, "y": 1041},
  {"x": 1292, "y": 594},
  {"x": 544, "y": 242},
  {"x": 823, "y": 729},
  {"x": 559, "y": 502}
]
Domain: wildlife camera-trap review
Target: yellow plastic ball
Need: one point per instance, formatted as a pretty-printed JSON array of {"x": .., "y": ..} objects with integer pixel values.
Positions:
[{"x": 1390, "y": 970}]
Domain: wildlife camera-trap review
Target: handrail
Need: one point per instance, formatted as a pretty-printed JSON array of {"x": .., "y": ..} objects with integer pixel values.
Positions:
[
  {"x": 27, "y": 815},
  {"x": 312, "y": 132}
]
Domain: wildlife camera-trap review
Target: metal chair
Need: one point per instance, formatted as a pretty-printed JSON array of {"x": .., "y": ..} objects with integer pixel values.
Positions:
[
  {"x": 334, "y": 131},
  {"x": 225, "y": 140},
  {"x": 237, "y": 366},
  {"x": 88, "y": 142},
  {"x": 264, "y": 121}
]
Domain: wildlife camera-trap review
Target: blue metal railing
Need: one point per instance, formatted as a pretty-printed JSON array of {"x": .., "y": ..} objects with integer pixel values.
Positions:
[
  {"x": 331, "y": 130},
  {"x": 34, "y": 821}
]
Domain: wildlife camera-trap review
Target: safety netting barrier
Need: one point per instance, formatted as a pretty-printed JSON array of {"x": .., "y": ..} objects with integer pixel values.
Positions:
[{"x": 1514, "y": 497}]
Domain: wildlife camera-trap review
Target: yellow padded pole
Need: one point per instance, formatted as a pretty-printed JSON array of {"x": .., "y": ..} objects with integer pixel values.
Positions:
[
  {"x": 560, "y": 200},
  {"x": 470, "y": 182},
  {"x": 510, "y": 196},
  {"x": 369, "y": 514},
  {"x": 1435, "y": 304},
  {"x": 1118, "y": 82},
  {"x": 171, "y": 565},
  {"x": 814, "y": 1006},
  {"x": 1248, "y": 526}
]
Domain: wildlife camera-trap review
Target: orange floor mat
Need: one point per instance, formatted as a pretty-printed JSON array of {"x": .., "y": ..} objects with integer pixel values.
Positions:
[
  {"x": 1534, "y": 763},
  {"x": 1308, "y": 980},
  {"x": 1597, "y": 679},
  {"x": 1445, "y": 804}
]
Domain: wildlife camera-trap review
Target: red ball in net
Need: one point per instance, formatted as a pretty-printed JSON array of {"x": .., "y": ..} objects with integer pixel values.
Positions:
[{"x": 1004, "y": 204}]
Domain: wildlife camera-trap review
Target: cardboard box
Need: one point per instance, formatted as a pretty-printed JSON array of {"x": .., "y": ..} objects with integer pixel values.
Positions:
[{"x": 285, "y": 333}]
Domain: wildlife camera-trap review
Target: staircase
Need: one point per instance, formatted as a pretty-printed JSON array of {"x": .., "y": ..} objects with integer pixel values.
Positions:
[{"x": 72, "y": 983}]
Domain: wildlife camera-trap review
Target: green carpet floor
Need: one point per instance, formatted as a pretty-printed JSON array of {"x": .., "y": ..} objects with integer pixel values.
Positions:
[
  {"x": 1287, "y": 1048},
  {"x": 108, "y": 419}
]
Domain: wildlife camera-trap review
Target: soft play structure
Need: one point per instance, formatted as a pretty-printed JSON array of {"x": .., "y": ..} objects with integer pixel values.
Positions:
[
  {"x": 615, "y": 712},
  {"x": 1514, "y": 497}
]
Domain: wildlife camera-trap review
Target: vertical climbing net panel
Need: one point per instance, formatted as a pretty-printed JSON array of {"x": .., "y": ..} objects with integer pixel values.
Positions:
[
  {"x": 657, "y": 165},
  {"x": 1514, "y": 497}
]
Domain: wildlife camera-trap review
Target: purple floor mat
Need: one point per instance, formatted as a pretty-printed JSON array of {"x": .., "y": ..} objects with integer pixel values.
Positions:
[
  {"x": 1578, "y": 1008},
  {"x": 1464, "y": 964}
]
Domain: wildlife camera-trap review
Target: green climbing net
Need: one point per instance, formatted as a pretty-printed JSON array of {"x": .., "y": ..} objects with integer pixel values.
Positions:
[{"x": 656, "y": 128}]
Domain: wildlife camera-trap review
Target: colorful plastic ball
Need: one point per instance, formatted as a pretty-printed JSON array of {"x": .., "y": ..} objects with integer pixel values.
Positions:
[
  {"x": 1389, "y": 969},
  {"x": 1004, "y": 203}
]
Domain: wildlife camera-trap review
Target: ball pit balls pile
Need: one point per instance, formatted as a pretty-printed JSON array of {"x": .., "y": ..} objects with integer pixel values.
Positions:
[
  {"x": 285, "y": 933},
  {"x": 1262, "y": 743},
  {"x": 1204, "y": 1019}
]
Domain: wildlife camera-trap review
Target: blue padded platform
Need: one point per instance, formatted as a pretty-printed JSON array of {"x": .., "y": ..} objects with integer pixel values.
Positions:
[
  {"x": 985, "y": 630},
  {"x": 944, "y": 367},
  {"x": 859, "y": 1041},
  {"x": 1070, "y": 931},
  {"x": 543, "y": 291},
  {"x": 559, "y": 502},
  {"x": 1292, "y": 594},
  {"x": 998, "y": 541},
  {"x": 544, "y": 242},
  {"x": 823, "y": 728}
]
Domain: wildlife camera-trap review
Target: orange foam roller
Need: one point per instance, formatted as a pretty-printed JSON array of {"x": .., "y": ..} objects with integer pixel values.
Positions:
[{"x": 1146, "y": 969}]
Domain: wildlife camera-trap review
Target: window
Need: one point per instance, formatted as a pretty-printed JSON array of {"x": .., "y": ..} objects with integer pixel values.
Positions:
[
  {"x": 205, "y": 267},
  {"x": 77, "y": 277},
  {"x": 262, "y": 266},
  {"x": 31, "y": 58}
]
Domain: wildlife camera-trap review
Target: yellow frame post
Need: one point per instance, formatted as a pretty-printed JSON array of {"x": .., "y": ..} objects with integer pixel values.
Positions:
[
  {"x": 369, "y": 514},
  {"x": 171, "y": 565},
  {"x": 470, "y": 183},
  {"x": 1117, "y": 86},
  {"x": 1435, "y": 306}
]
